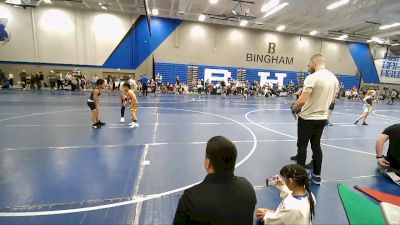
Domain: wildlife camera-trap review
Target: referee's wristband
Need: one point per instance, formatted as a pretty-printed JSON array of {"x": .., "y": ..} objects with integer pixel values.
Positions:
[{"x": 379, "y": 157}]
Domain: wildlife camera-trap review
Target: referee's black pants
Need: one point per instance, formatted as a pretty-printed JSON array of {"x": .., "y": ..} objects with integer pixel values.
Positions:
[{"x": 310, "y": 130}]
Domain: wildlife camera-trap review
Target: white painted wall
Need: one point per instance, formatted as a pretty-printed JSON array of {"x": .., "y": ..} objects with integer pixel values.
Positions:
[
  {"x": 211, "y": 44},
  {"x": 62, "y": 35}
]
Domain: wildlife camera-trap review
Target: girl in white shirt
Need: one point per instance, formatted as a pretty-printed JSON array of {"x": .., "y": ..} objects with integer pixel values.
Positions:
[
  {"x": 367, "y": 106},
  {"x": 297, "y": 206}
]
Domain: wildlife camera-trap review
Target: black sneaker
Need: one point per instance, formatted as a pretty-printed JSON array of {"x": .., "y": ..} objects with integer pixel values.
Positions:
[
  {"x": 355, "y": 123},
  {"x": 294, "y": 158},
  {"x": 100, "y": 123},
  {"x": 316, "y": 179},
  {"x": 365, "y": 124}
]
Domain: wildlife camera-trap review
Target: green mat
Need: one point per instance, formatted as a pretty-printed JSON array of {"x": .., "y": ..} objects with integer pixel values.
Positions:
[{"x": 358, "y": 209}]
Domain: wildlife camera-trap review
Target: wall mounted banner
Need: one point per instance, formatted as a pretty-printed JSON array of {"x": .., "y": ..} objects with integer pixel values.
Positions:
[{"x": 4, "y": 35}]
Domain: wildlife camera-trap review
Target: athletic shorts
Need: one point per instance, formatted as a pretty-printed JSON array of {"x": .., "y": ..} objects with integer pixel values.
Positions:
[
  {"x": 332, "y": 106},
  {"x": 367, "y": 108},
  {"x": 91, "y": 105},
  {"x": 134, "y": 107}
]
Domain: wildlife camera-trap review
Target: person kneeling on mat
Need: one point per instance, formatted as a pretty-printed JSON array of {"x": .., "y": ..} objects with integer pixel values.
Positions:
[
  {"x": 392, "y": 160},
  {"x": 297, "y": 206}
]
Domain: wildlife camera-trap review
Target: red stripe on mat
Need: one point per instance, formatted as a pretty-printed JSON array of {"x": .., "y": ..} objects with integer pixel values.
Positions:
[{"x": 380, "y": 196}]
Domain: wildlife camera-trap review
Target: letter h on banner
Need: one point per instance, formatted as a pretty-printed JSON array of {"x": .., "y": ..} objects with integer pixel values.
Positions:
[{"x": 264, "y": 79}]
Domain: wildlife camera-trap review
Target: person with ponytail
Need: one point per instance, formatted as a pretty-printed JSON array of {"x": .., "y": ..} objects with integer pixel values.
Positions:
[{"x": 298, "y": 204}]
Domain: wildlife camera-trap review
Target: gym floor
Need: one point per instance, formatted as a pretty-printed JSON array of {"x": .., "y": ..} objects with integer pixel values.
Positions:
[{"x": 56, "y": 169}]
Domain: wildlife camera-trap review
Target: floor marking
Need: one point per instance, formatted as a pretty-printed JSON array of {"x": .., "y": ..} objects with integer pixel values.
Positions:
[
  {"x": 357, "y": 115},
  {"x": 169, "y": 143},
  {"x": 392, "y": 118},
  {"x": 349, "y": 178},
  {"x": 136, "y": 199},
  {"x": 348, "y": 125},
  {"x": 288, "y": 135},
  {"x": 42, "y": 113}
]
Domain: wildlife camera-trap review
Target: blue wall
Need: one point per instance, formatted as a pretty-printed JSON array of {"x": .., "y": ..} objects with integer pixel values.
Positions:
[
  {"x": 365, "y": 63},
  {"x": 137, "y": 45}
]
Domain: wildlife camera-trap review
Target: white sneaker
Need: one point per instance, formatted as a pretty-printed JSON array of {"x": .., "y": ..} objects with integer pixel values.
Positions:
[
  {"x": 122, "y": 120},
  {"x": 134, "y": 125}
]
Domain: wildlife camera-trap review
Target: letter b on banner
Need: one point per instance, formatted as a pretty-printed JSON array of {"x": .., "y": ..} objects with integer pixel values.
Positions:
[{"x": 217, "y": 75}]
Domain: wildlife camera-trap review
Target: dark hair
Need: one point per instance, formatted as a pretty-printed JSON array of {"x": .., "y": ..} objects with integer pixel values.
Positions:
[
  {"x": 222, "y": 153},
  {"x": 299, "y": 175},
  {"x": 99, "y": 82},
  {"x": 126, "y": 85}
]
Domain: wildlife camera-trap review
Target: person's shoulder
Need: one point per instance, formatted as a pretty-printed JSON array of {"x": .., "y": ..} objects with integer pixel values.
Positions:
[
  {"x": 394, "y": 127},
  {"x": 243, "y": 182}
]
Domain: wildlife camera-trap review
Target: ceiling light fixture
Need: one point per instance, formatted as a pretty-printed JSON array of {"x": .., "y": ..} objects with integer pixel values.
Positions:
[
  {"x": 213, "y": 2},
  {"x": 269, "y": 5},
  {"x": 314, "y": 32},
  {"x": 47, "y": 1},
  {"x": 281, "y": 28},
  {"x": 396, "y": 44},
  {"x": 344, "y": 36},
  {"x": 389, "y": 26},
  {"x": 369, "y": 41},
  {"x": 154, "y": 12},
  {"x": 103, "y": 7},
  {"x": 244, "y": 23},
  {"x": 202, "y": 17},
  {"x": 337, "y": 4},
  {"x": 276, "y": 9}
]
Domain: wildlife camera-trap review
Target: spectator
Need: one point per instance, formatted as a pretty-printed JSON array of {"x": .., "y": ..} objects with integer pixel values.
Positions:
[
  {"x": 319, "y": 91},
  {"x": 41, "y": 79},
  {"x": 22, "y": 76},
  {"x": 297, "y": 206},
  {"x": 222, "y": 198},
  {"x": 392, "y": 159},
  {"x": 144, "y": 80},
  {"x": 11, "y": 79}
]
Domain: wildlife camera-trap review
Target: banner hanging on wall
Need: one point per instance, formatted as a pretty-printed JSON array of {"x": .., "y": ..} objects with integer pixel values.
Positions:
[{"x": 4, "y": 35}]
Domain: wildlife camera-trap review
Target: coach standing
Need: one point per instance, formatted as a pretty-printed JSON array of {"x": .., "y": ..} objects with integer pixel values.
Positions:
[{"x": 319, "y": 91}]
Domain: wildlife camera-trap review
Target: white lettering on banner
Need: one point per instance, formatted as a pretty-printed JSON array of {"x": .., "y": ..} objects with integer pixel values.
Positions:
[
  {"x": 264, "y": 75},
  {"x": 209, "y": 75}
]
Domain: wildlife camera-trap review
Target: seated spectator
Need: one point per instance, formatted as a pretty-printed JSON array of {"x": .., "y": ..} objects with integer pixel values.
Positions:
[
  {"x": 392, "y": 159},
  {"x": 297, "y": 206},
  {"x": 222, "y": 198}
]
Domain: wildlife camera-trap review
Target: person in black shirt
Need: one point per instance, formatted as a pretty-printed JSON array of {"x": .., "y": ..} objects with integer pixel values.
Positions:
[
  {"x": 392, "y": 159},
  {"x": 93, "y": 103},
  {"x": 222, "y": 198}
]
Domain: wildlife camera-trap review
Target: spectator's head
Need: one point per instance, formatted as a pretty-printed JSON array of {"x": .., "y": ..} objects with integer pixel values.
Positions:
[
  {"x": 371, "y": 93},
  {"x": 100, "y": 83},
  {"x": 315, "y": 63},
  {"x": 221, "y": 155},
  {"x": 295, "y": 177}
]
